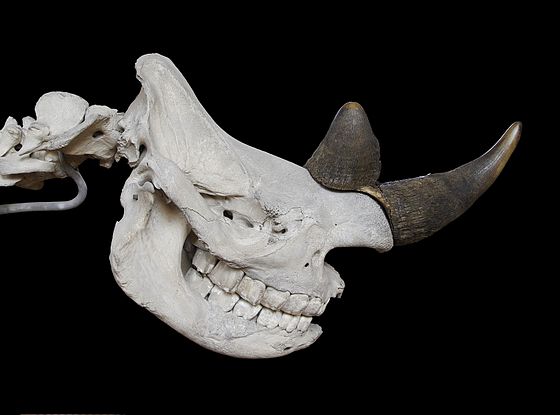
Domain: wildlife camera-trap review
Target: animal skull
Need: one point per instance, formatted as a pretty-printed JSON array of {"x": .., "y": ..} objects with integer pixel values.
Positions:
[{"x": 226, "y": 243}]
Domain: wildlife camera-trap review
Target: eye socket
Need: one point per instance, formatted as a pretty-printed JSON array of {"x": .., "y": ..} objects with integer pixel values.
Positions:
[
  {"x": 18, "y": 147},
  {"x": 306, "y": 265},
  {"x": 97, "y": 134},
  {"x": 228, "y": 214}
]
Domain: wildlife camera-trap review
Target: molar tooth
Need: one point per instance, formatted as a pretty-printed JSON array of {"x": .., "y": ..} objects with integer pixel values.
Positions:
[
  {"x": 304, "y": 323},
  {"x": 269, "y": 318},
  {"x": 288, "y": 322},
  {"x": 251, "y": 290},
  {"x": 295, "y": 304},
  {"x": 224, "y": 300},
  {"x": 204, "y": 261},
  {"x": 225, "y": 276},
  {"x": 313, "y": 307},
  {"x": 246, "y": 310},
  {"x": 274, "y": 299},
  {"x": 199, "y": 283}
]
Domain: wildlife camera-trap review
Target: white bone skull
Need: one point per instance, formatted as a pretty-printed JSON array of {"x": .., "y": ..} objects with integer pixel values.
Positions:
[{"x": 223, "y": 242}]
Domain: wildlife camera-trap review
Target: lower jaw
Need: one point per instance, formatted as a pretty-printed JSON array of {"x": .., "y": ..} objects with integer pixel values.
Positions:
[
  {"x": 156, "y": 282},
  {"x": 234, "y": 336},
  {"x": 224, "y": 331}
]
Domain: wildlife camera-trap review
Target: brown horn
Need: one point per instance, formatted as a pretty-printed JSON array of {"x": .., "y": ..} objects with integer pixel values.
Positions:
[
  {"x": 348, "y": 159},
  {"x": 348, "y": 156},
  {"x": 421, "y": 206}
]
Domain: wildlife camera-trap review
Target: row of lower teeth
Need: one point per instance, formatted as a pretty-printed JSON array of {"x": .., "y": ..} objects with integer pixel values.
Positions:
[{"x": 231, "y": 290}]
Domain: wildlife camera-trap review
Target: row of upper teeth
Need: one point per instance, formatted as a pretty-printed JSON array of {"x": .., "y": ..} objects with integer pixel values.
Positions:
[{"x": 232, "y": 290}]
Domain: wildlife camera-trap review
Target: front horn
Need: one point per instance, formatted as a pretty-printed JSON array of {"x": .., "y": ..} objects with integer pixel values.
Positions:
[
  {"x": 418, "y": 207},
  {"x": 421, "y": 206}
]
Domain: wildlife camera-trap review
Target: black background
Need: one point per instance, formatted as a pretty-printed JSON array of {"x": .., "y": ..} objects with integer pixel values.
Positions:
[{"x": 455, "y": 319}]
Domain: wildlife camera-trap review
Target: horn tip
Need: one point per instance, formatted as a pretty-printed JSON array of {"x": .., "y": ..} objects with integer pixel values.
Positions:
[
  {"x": 353, "y": 106},
  {"x": 515, "y": 129},
  {"x": 511, "y": 137}
]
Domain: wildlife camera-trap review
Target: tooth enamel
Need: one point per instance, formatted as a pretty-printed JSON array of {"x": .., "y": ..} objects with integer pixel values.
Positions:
[
  {"x": 313, "y": 307},
  {"x": 304, "y": 323},
  {"x": 269, "y": 318},
  {"x": 288, "y": 322},
  {"x": 322, "y": 309},
  {"x": 295, "y": 304},
  {"x": 225, "y": 276},
  {"x": 274, "y": 299},
  {"x": 220, "y": 298},
  {"x": 204, "y": 261},
  {"x": 246, "y": 310},
  {"x": 200, "y": 284},
  {"x": 251, "y": 290}
]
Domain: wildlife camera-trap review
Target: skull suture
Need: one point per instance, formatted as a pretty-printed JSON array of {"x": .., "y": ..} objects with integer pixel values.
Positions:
[{"x": 226, "y": 243}]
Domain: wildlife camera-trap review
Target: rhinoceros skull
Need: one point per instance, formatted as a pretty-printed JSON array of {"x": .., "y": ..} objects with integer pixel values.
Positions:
[{"x": 223, "y": 242}]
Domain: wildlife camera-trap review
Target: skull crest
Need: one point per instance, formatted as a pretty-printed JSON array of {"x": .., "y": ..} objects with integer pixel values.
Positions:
[{"x": 223, "y": 242}]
